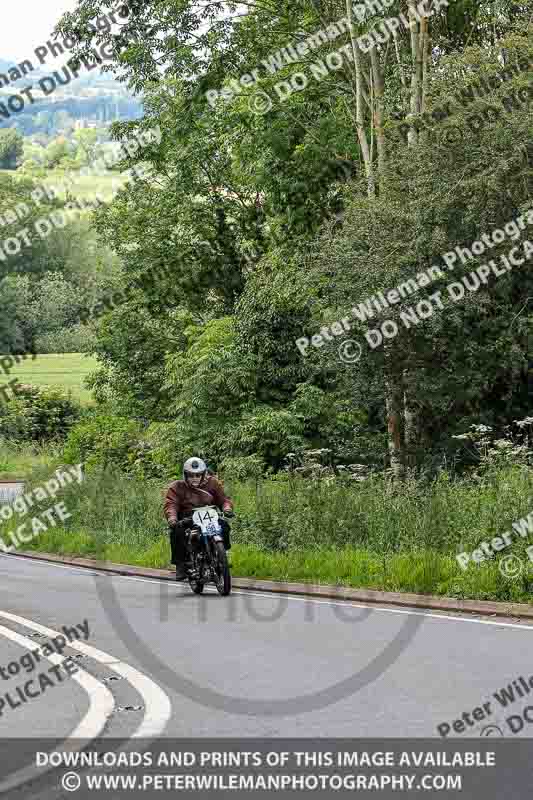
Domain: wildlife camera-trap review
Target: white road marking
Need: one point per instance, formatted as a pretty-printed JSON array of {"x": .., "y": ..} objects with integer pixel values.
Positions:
[
  {"x": 308, "y": 599},
  {"x": 158, "y": 708},
  {"x": 101, "y": 700},
  {"x": 528, "y": 623},
  {"x": 372, "y": 607},
  {"x": 101, "y": 705}
]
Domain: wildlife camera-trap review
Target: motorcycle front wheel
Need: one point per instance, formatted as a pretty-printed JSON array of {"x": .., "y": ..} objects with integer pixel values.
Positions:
[
  {"x": 223, "y": 575},
  {"x": 196, "y": 585}
]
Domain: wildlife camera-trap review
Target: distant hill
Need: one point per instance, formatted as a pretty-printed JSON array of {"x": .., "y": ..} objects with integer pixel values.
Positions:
[
  {"x": 5, "y": 66},
  {"x": 92, "y": 78},
  {"x": 94, "y": 96}
]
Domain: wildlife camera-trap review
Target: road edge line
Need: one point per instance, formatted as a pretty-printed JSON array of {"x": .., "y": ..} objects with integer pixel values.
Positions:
[{"x": 483, "y": 607}]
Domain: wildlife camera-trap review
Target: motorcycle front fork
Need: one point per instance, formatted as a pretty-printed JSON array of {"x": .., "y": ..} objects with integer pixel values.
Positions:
[{"x": 195, "y": 552}]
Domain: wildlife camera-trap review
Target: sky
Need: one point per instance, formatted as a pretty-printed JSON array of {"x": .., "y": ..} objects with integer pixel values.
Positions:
[{"x": 27, "y": 24}]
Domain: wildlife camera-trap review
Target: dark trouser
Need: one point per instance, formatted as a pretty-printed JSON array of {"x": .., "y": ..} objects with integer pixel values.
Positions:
[{"x": 177, "y": 540}]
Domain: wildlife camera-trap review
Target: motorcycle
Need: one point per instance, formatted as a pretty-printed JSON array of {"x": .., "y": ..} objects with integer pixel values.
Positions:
[{"x": 207, "y": 558}]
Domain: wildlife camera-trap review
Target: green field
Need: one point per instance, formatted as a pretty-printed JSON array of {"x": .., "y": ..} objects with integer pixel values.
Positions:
[
  {"x": 82, "y": 186},
  {"x": 64, "y": 369},
  {"x": 85, "y": 187}
]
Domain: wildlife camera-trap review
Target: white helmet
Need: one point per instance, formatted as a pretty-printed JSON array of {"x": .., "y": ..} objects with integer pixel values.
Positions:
[{"x": 194, "y": 467}]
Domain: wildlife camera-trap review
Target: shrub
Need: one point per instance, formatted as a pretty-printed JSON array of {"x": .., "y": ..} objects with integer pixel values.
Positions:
[
  {"x": 38, "y": 413},
  {"x": 103, "y": 441},
  {"x": 144, "y": 461},
  {"x": 76, "y": 339},
  {"x": 14, "y": 425},
  {"x": 267, "y": 433},
  {"x": 241, "y": 469}
]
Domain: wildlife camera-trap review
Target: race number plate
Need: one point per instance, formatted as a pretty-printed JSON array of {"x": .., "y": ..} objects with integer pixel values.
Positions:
[{"x": 207, "y": 519}]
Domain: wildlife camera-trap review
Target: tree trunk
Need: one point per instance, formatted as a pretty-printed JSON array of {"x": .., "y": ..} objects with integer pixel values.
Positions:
[
  {"x": 403, "y": 418},
  {"x": 394, "y": 401},
  {"x": 412, "y": 425},
  {"x": 419, "y": 58}
]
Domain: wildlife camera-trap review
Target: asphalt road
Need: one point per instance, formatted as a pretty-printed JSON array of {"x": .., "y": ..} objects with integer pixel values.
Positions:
[{"x": 250, "y": 665}]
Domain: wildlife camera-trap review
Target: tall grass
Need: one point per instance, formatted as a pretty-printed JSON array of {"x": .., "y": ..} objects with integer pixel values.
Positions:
[
  {"x": 368, "y": 534},
  {"x": 446, "y": 515},
  {"x": 19, "y": 460}
]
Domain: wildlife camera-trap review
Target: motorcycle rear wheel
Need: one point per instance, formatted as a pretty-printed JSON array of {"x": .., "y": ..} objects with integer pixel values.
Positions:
[{"x": 223, "y": 581}]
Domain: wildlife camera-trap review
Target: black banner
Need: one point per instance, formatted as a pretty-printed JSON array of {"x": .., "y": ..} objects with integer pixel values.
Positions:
[{"x": 488, "y": 768}]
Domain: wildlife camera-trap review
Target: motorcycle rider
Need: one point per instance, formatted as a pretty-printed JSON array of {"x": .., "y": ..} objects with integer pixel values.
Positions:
[{"x": 197, "y": 489}]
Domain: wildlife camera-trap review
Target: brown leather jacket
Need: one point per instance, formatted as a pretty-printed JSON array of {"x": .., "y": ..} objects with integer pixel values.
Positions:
[{"x": 181, "y": 498}]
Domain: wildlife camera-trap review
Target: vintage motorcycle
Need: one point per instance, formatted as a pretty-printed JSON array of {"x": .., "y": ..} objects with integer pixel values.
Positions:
[{"x": 207, "y": 558}]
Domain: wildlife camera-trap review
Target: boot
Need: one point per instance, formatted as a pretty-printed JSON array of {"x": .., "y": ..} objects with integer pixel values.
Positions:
[{"x": 181, "y": 572}]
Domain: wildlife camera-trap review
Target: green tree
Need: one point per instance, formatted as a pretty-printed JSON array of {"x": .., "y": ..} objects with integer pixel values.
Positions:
[
  {"x": 57, "y": 152},
  {"x": 56, "y": 304},
  {"x": 11, "y": 148},
  {"x": 11, "y": 333},
  {"x": 466, "y": 362},
  {"x": 33, "y": 154},
  {"x": 87, "y": 145},
  {"x": 234, "y": 201}
]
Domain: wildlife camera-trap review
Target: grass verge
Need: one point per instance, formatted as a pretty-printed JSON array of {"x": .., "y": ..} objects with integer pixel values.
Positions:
[
  {"x": 417, "y": 572},
  {"x": 363, "y": 536},
  {"x": 18, "y": 462}
]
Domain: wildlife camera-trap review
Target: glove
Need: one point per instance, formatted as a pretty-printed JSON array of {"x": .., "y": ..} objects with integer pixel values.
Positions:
[
  {"x": 229, "y": 513},
  {"x": 185, "y": 523},
  {"x": 181, "y": 525}
]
